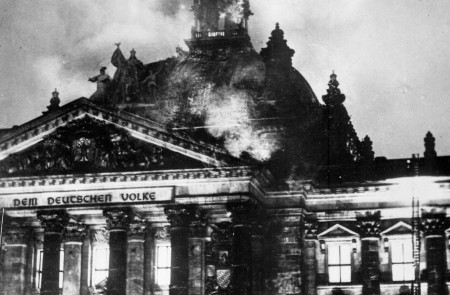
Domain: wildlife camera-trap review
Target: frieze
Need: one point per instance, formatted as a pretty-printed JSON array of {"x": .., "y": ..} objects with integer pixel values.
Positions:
[
  {"x": 90, "y": 198},
  {"x": 147, "y": 176}
]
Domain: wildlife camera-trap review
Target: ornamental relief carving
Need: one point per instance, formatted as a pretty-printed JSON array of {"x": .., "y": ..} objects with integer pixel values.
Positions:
[
  {"x": 118, "y": 218},
  {"x": 100, "y": 236},
  {"x": 434, "y": 222},
  {"x": 89, "y": 145},
  {"x": 369, "y": 224}
]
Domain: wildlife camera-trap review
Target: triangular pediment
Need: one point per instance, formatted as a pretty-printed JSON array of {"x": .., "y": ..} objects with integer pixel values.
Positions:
[
  {"x": 337, "y": 231},
  {"x": 86, "y": 131},
  {"x": 400, "y": 228}
]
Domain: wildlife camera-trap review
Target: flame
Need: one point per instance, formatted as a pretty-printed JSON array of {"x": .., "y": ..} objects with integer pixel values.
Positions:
[
  {"x": 229, "y": 116},
  {"x": 236, "y": 11}
]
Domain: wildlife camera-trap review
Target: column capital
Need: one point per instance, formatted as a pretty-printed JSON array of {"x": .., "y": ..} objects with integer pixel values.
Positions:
[
  {"x": 99, "y": 235},
  {"x": 118, "y": 218},
  {"x": 222, "y": 232},
  {"x": 369, "y": 224},
  {"x": 181, "y": 216},
  {"x": 161, "y": 233},
  {"x": 433, "y": 222},
  {"x": 310, "y": 226},
  {"x": 243, "y": 212},
  {"x": 53, "y": 221},
  {"x": 137, "y": 229},
  {"x": 17, "y": 234},
  {"x": 74, "y": 232}
]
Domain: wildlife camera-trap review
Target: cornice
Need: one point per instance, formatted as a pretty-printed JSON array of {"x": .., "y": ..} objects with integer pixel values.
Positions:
[
  {"x": 32, "y": 132},
  {"x": 118, "y": 177}
]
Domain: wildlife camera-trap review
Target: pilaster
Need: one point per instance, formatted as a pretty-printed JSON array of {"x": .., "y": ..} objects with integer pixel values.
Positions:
[
  {"x": 283, "y": 251},
  {"x": 369, "y": 226},
  {"x": 136, "y": 257},
  {"x": 241, "y": 254},
  {"x": 15, "y": 262},
  {"x": 180, "y": 218},
  {"x": 74, "y": 234},
  {"x": 53, "y": 223},
  {"x": 197, "y": 257},
  {"x": 433, "y": 226},
  {"x": 309, "y": 256},
  {"x": 118, "y": 221}
]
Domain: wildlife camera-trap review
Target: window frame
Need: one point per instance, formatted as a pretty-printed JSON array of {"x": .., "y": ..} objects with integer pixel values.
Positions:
[
  {"x": 40, "y": 263},
  {"x": 167, "y": 266},
  {"x": 340, "y": 266},
  {"x": 92, "y": 268},
  {"x": 407, "y": 238}
]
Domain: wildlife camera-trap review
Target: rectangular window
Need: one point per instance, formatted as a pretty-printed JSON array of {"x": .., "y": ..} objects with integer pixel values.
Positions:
[
  {"x": 402, "y": 260},
  {"x": 39, "y": 264},
  {"x": 339, "y": 263},
  {"x": 100, "y": 266},
  {"x": 163, "y": 262}
]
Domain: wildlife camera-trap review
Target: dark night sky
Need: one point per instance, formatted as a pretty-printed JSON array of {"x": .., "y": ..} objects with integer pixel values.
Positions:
[{"x": 392, "y": 58}]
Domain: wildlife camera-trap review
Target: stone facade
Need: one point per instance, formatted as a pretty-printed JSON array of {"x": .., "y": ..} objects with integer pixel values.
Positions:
[{"x": 99, "y": 197}]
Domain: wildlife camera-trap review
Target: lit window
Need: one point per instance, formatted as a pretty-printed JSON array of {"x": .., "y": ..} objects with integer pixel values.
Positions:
[
  {"x": 339, "y": 263},
  {"x": 100, "y": 266},
  {"x": 163, "y": 261},
  {"x": 39, "y": 263},
  {"x": 402, "y": 260}
]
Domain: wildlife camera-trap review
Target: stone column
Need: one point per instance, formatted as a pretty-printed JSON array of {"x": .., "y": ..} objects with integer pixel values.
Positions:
[
  {"x": 85, "y": 253},
  {"x": 257, "y": 255},
  {"x": 15, "y": 260},
  {"x": 74, "y": 236},
  {"x": 309, "y": 257},
  {"x": 53, "y": 223},
  {"x": 197, "y": 258},
  {"x": 135, "y": 258},
  {"x": 241, "y": 252},
  {"x": 118, "y": 220},
  {"x": 433, "y": 225},
  {"x": 149, "y": 256},
  {"x": 29, "y": 273},
  {"x": 369, "y": 226},
  {"x": 180, "y": 218}
]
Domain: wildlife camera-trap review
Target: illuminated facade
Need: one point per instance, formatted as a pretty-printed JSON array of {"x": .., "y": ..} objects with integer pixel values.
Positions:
[{"x": 140, "y": 190}]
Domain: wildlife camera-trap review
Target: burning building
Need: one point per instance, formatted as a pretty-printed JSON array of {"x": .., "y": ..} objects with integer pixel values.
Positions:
[{"x": 216, "y": 171}]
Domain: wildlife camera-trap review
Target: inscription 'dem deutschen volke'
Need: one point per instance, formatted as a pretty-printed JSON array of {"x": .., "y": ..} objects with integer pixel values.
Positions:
[{"x": 86, "y": 199}]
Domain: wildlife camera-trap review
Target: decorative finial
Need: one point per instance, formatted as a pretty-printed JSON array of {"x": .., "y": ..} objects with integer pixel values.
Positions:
[
  {"x": 133, "y": 52},
  {"x": 334, "y": 95},
  {"x": 117, "y": 44},
  {"x": 430, "y": 144},
  {"x": 54, "y": 102},
  {"x": 277, "y": 26},
  {"x": 333, "y": 76}
]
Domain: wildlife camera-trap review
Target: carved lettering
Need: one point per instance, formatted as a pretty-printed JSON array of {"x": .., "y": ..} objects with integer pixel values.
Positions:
[
  {"x": 113, "y": 197},
  {"x": 26, "y": 202}
]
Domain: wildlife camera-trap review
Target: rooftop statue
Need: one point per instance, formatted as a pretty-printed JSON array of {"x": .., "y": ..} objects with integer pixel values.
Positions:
[
  {"x": 128, "y": 77},
  {"x": 103, "y": 81}
]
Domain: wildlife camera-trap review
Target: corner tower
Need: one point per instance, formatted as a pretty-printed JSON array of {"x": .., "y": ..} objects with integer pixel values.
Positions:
[{"x": 220, "y": 26}]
